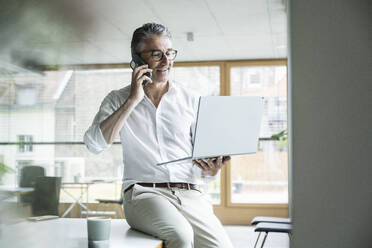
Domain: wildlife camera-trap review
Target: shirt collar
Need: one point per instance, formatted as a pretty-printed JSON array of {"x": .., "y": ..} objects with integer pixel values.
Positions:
[{"x": 171, "y": 87}]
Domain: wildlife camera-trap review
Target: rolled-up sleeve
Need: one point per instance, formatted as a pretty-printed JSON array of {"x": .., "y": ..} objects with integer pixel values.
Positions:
[
  {"x": 93, "y": 137},
  {"x": 209, "y": 179}
]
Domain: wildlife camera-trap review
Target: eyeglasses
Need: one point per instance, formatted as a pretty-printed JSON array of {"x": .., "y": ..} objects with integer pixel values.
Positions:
[{"x": 157, "y": 55}]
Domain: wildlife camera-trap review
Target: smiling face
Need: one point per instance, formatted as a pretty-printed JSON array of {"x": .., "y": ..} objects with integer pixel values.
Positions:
[{"x": 161, "y": 69}]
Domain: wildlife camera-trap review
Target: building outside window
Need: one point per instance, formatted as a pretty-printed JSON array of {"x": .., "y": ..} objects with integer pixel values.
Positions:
[{"x": 25, "y": 143}]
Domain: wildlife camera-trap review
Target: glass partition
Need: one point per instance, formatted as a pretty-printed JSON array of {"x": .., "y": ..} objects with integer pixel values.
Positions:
[{"x": 43, "y": 118}]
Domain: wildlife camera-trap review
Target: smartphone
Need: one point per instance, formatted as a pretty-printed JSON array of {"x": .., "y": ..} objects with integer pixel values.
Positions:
[{"x": 136, "y": 59}]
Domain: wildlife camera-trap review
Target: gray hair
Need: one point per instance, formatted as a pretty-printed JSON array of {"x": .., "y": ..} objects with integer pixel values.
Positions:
[{"x": 146, "y": 31}]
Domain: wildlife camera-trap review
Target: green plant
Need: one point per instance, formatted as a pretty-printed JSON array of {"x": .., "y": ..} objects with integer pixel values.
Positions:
[
  {"x": 282, "y": 137},
  {"x": 4, "y": 169}
]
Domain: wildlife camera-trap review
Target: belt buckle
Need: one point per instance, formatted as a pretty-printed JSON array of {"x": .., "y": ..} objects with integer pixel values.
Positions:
[
  {"x": 188, "y": 186},
  {"x": 154, "y": 185}
]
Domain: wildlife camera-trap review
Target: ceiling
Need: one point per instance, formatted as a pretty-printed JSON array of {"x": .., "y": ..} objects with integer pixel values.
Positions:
[{"x": 99, "y": 32}]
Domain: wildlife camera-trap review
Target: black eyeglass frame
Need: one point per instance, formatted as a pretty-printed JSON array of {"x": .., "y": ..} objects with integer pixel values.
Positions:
[{"x": 162, "y": 54}]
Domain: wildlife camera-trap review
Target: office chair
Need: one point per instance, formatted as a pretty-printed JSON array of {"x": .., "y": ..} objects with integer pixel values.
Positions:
[
  {"x": 270, "y": 224},
  {"x": 259, "y": 219},
  {"x": 46, "y": 196},
  {"x": 27, "y": 179},
  {"x": 271, "y": 227}
]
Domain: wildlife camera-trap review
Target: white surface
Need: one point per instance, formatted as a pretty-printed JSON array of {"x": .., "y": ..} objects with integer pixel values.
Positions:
[
  {"x": 68, "y": 233},
  {"x": 227, "y": 125},
  {"x": 15, "y": 189}
]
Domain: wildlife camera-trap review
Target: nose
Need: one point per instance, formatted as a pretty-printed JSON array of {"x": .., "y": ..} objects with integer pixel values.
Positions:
[{"x": 164, "y": 60}]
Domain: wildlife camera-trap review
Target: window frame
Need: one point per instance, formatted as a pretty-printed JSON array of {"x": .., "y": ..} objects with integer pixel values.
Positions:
[
  {"x": 252, "y": 63},
  {"x": 226, "y": 211}
]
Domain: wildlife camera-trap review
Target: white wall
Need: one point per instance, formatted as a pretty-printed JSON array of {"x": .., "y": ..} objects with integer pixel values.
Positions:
[{"x": 330, "y": 69}]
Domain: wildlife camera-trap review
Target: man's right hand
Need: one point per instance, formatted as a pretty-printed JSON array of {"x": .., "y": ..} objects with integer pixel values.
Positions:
[
  {"x": 138, "y": 76},
  {"x": 111, "y": 127}
]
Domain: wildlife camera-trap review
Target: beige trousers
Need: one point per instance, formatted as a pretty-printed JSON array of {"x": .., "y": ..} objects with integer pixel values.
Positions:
[{"x": 182, "y": 218}]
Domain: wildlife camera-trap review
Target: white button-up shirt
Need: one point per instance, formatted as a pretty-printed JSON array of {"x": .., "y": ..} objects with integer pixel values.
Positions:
[{"x": 152, "y": 135}]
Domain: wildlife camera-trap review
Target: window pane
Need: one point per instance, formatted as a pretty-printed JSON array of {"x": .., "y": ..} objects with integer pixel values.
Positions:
[
  {"x": 81, "y": 99},
  {"x": 204, "y": 80},
  {"x": 262, "y": 177}
]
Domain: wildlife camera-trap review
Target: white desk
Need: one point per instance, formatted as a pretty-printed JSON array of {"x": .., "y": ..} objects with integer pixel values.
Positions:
[
  {"x": 70, "y": 233},
  {"x": 15, "y": 189}
]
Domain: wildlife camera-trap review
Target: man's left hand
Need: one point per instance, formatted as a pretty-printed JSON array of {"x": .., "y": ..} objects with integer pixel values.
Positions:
[{"x": 211, "y": 166}]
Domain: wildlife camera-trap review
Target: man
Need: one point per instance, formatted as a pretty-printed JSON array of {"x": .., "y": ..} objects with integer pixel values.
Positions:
[{"x": 155, "y": 123}]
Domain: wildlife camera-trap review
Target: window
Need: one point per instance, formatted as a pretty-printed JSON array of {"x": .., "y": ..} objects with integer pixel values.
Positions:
[
  {"x": 26, "y": 95},
  {"x": 25, "y": 143},
  {"x": 204, "y": 80},
  {"x": 262, "y": 177}
]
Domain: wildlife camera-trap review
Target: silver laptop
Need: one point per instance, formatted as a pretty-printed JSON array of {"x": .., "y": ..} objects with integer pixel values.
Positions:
[{"x": 225, "y": 126}]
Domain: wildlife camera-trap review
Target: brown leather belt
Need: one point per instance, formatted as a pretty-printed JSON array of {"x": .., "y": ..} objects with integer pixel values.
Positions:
[{"x": 167, "y": 185}]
